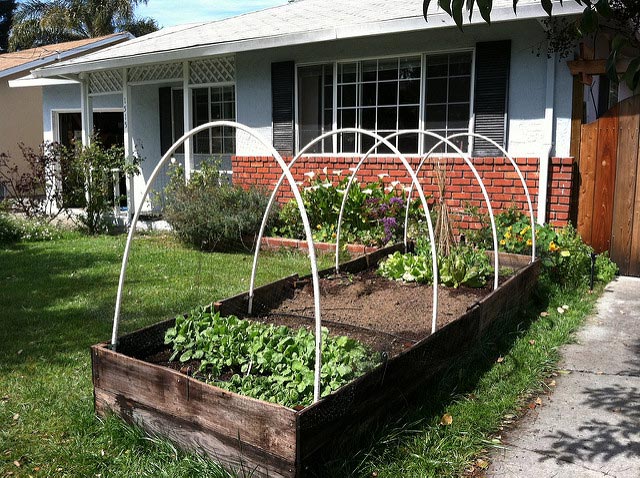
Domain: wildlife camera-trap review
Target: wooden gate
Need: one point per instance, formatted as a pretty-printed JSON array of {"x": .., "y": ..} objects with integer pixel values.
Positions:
[{"x": 609, "y": 197}]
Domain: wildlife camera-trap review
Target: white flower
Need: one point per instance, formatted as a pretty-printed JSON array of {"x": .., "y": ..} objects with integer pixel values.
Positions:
[
  {"x": 367, "y": 191},
  {"x": 406, "y": 188},
  {"x": 327, "y": 185},
  {"x": 299, "y": 183},
  {"x": 324, "y": 170},
  {"x": 383, "y": 175},
  {"x": 341, "y": 191},
  {"x": 337, "y": 172},
  {"x": 353, "y": 170},
  {"x": 388, "y": 189},
  {"x": 394, "y": 183},
  {"x": 310, "y": 174}
]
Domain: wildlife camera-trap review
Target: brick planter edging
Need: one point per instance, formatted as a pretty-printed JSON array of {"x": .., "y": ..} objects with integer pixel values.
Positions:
[{"x": 275, "y": 243}]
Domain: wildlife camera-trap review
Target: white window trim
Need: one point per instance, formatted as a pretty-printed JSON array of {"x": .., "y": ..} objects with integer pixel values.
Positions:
[{"x": 422, "y": 107}]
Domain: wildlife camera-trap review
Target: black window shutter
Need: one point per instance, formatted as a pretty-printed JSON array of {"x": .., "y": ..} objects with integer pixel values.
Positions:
[
  {"x": 491, "y": 95},
  {"x": 166, "y": 136},
  {"x": 282, "y": 91}
]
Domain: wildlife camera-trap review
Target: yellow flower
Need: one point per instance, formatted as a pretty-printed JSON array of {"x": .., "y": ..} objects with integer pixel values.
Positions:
[
  {"x": 502, "y": 242},
  {"x": 507, "y": 235},
  {"x": 319, "y": 226},
  {"x": 553, "y": 247},
  {"x": 529, "y": 242}
]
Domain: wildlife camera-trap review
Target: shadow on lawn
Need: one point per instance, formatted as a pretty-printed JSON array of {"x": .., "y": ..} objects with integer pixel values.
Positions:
[
  {"x": 51, "y": 302},
  {"x": 385, "y": 443}
]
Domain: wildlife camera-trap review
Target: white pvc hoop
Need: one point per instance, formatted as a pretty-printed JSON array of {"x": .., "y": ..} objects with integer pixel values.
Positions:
[
  {"x": 414, "y": 179},
  {"x": 305, "y": 220},
  {"x": 522, "y": 181},
  {"x": 465, "y": 157},
  {"x": 480, "y": 182}
]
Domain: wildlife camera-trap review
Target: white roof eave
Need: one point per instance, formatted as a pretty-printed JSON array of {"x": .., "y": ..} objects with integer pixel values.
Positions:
[{"x": 436, "y": 20}]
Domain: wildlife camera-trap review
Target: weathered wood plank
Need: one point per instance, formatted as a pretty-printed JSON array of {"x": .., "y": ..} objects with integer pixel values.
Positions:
[
  {"x": 625, "y": 184},
  {"x": 605, "y": 181},
  {"x": 189, "y": 435},
  {"x": 390, "y": 386},
  {"x": 634, "y": 261},
  {"x": 254, "y": 422},
  {"x": 588, "y": 150}
]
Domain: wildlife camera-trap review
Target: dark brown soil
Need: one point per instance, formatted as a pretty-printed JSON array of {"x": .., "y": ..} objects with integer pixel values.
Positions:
[{"x": 388, "y": 316}]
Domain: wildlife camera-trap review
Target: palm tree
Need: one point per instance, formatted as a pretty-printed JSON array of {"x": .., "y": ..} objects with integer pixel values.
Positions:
[
  {"x": 43, "y": 22},
  {"x": 6, "y": 15}
]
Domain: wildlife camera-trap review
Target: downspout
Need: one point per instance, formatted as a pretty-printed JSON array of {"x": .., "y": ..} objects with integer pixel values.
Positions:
[{"x": 547, "y": 144}]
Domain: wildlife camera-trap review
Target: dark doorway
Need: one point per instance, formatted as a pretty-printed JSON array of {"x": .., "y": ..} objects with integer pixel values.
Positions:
[{"x": 109, "y": 127}]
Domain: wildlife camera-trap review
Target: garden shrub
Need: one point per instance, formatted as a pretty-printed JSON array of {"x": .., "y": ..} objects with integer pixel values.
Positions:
[
  {"x": 95, "y": 165},
  {"x": 566, "y": 259},
  {"x": 211, "y": 214},
  {"x": 374, "y": 213},
  {"x": 9, "y": 229},
  {"x": 14, "y": 229}
]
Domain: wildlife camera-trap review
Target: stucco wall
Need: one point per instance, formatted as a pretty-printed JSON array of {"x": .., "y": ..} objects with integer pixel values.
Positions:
[
  {"x": 66, "y": 99},
  {"x": 527, "y": 89},
  {"x": 20, "y": 110}
]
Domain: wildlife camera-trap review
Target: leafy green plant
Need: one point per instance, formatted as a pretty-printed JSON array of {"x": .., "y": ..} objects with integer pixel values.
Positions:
[
  {"x": 211, "y": 214},
  {"x": 606, "y": 269},
  {"x": 9, "y": 229},
  {"x": 373, "y": 215},
  {"x": 566, "y": 259},
  {"x": 96, "y": 164},
  {"x": 268, "y": 362},
  {"x": 463, "y": 266}
]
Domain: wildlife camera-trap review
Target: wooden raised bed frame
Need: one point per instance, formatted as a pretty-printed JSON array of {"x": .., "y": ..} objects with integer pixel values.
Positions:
[{"x": 272, "y": 440}]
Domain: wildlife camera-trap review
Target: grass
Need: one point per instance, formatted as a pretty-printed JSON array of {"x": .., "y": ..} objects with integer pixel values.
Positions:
[{"x": 57, "y": 299}]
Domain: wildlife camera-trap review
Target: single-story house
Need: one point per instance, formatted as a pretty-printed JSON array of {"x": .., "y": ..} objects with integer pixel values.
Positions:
[
  {"x": 308, "y": 67},
  {"x": 21, "y": 118}
]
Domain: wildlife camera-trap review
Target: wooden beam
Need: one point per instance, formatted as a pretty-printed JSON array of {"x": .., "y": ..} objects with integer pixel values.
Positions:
[{"x": 594, "y": 67}]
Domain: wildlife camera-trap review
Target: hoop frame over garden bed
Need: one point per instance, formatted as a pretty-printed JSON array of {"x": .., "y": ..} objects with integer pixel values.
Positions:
[{"x": 273, "y": 440}]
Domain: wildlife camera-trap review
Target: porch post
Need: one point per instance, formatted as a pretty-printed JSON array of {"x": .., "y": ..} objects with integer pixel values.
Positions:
[
  {"x": 543, "y": 180},
  {"x": 128, "y": 143},
  {"x": 186, "y": 95},
  {"x": 86, "y": 108}
]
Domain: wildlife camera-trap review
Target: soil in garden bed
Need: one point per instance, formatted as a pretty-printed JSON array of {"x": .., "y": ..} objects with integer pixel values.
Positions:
[{"x": 388, "y": 316}]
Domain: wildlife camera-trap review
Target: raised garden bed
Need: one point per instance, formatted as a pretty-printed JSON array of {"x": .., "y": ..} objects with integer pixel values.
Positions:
[{"x": 272, "y": 440}]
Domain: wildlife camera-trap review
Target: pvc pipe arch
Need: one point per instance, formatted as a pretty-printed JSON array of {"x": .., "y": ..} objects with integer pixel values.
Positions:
[
  {"x": 522, "y": 181},
  {"x": 380, "y": 140},
  {"x": 477, "y": 176},
  {"x": 305, "y": 220}
]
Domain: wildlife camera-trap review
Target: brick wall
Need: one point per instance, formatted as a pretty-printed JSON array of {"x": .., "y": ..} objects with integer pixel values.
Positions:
[{"x": 462, "y": 190}]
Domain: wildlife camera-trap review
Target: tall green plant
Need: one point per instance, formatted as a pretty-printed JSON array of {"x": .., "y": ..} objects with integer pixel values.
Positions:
[{"x": 97, "y": 165}]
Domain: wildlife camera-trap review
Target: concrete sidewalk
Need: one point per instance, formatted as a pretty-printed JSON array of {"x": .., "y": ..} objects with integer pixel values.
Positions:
[{"x": 590, "y": 425}]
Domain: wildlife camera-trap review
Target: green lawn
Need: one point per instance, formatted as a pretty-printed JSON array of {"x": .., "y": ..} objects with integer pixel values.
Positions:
[{"x": 57, "y": 298}]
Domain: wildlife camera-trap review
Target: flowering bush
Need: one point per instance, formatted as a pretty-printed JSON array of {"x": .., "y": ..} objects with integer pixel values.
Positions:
[
  {"x": 374, "y": 213},
  {"x": 566, "y": 259}
]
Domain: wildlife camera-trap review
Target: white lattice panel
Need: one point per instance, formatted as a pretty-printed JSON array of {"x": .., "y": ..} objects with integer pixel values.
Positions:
[
  {"x": 105, "y": 82},
  {"x": 165, "y": 71},
  {"x": 212, "y": 70}
]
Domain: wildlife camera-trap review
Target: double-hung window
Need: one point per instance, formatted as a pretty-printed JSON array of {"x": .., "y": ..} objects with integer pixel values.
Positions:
[
  {"x": 385, "y": 96},
  {"x": 208, "y": 104}
]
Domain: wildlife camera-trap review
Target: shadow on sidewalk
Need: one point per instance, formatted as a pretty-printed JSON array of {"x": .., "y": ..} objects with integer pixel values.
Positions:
[{"x": 601, "y": 440}]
